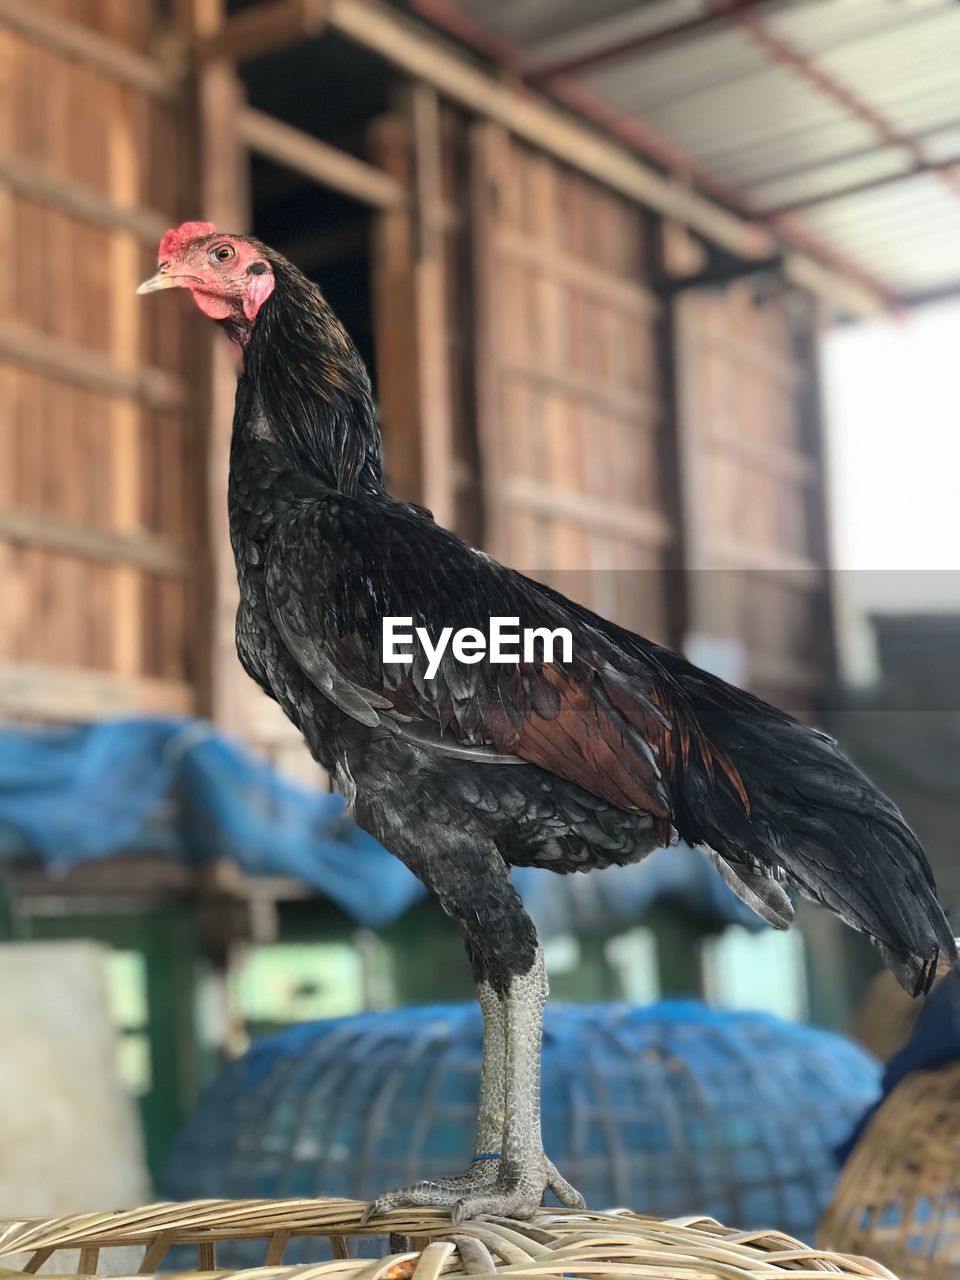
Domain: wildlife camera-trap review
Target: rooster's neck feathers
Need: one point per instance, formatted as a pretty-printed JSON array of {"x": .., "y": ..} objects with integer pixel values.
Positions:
[{"x": 313, "y": 386}]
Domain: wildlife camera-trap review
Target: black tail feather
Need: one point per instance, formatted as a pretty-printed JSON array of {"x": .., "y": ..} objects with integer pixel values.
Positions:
[{"x": 812, "y": 814}]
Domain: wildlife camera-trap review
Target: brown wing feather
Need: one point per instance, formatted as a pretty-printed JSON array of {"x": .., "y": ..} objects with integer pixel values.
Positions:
[
  {"x": 584, "y": 743},
  {"x": 686, "y": 734}
]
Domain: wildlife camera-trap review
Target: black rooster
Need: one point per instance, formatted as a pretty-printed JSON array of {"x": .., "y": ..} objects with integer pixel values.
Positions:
[{"x": 569, "y": 765}]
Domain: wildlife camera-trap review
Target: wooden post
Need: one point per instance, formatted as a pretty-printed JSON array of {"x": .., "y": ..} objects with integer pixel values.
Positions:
[
  {"x": 125, "y": 413},
  {"x": 820, "y": 513},
  {"x": 234, "y": 702},
  {"x": 398, "y": 376},
  {"x": 410, "y": 308},
  {"x": 488, "y": 143},
  {"x": 431, "y": 302},
  {"x": 693, "y": 483},
  {"x": 225, "y": 202},
  {"x": 12, "y": 593}
]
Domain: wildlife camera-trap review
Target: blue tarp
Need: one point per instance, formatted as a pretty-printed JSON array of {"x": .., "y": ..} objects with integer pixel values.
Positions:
[{"x": 180, "y": 787}]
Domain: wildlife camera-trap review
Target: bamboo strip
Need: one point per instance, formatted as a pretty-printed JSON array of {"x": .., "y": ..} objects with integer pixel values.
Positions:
[
  {"x": 555, "y": 1243},
  {"x": 898, "y": 1193}
]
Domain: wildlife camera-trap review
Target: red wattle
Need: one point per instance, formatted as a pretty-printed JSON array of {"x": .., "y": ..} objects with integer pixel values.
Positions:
[{"x": 212, "y": 306}]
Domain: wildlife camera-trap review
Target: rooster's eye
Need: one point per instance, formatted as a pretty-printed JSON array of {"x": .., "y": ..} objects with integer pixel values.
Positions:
[{"x": 222, "y": 253}]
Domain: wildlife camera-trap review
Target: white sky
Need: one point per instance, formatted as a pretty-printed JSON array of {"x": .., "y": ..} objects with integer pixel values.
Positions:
[{"x": 893, "y": 422}]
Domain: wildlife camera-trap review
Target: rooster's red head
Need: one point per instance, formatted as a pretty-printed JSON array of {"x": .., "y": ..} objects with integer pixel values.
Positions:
[{"x": 229, "y": 276}]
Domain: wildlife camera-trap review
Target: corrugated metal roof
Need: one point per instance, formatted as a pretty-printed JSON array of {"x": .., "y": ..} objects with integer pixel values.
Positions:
[{"x": 818, "y": 113}]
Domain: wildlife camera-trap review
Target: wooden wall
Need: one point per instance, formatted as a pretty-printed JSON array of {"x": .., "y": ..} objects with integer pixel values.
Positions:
[
  {"x": 99, "y": 456},
  {"x": 572, "y": 409},
  {"x": 752, "y": 483},
  {"x": 527, "y": 392},
  {"x": 425, "y": 313}
]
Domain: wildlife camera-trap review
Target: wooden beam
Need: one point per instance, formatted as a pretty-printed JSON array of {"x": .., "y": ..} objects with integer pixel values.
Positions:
[
  {"x": 262, "y": 29},
  {"x": 747, "y": 351},
  {"x": 587, "y": 277},
  {"x": 86, "y": 46},
  {"x": 635, "y": 523},
  {"x": 67, "y": 694},
  {"x": 86, "y": 368},
  {"x": 773, "y": 459},
  {"x": 327, "y": 165},
  {"x": 129, "y": 876},
  {"x": 801, "y": 570},
  {"x": 416, "y": 50},
  {"x": 150, "y": 552},
  {"x": 81, "y": 201},
  {"x": 628, "y": 403},
  {"x": 830, "y": 285}
]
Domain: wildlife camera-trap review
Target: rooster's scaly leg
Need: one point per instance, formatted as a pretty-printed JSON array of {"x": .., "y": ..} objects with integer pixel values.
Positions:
[
  {"x": 513, "y": 1172},
  {"x": 523, "y": 1172},
  {"x": 513, "y": 1185},
  {"x": 490, "y": 1118}
]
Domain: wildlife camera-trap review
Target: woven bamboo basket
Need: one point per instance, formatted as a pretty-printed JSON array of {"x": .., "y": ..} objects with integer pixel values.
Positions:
[
  {"x": 898, "y": 1198},
  {"x": 423, "y": 1244}
]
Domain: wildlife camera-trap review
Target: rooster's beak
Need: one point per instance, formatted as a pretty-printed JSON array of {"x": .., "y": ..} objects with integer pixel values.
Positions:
[{"x": 160, "y": 281}]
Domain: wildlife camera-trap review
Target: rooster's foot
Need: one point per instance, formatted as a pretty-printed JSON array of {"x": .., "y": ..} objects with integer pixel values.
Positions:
[
  {"x": 439, "y": 1192},
  {"x": 500, "y": 1188}
]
